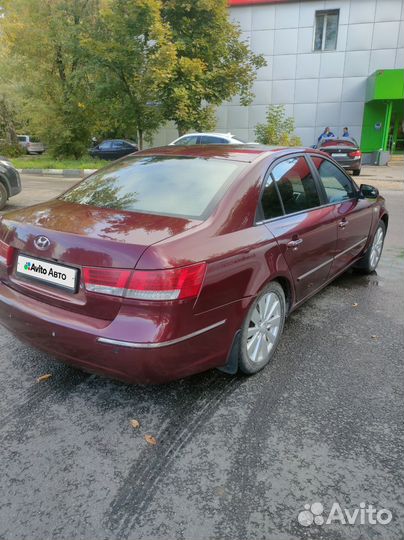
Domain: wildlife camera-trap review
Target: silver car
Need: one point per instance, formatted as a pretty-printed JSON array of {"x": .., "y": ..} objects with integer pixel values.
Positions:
[{"x": 30, "y": 144}]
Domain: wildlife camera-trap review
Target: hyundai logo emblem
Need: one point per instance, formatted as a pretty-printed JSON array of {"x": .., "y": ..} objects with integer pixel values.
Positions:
[{"x": 41, "y": 242}]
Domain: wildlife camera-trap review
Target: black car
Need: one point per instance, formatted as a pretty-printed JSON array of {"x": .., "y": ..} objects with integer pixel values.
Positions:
[
  {"x": 113, "y": 149},
  {"x": 345, "y": 151},
  {"x": 10, "y": 182}
]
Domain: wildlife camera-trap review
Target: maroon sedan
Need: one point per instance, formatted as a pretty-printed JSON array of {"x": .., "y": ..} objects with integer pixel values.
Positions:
[{"x": 175, "y": 260}]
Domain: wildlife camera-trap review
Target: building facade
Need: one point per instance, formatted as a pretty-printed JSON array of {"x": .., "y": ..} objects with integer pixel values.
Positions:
[{"x": 323, "y": 58}]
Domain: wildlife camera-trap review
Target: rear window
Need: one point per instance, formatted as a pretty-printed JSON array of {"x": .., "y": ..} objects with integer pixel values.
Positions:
[
  {"x": 164, "y": 185},
  {"x": 337, "y": 142}
]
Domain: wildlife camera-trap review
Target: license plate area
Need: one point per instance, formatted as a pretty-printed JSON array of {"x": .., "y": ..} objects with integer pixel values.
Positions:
[
  {"x": 50, "y": 273},
  {"x": 339, "y": 155}
]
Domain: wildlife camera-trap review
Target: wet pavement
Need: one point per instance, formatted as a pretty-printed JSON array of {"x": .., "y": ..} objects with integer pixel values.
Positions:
[{"x": 236, "y": 458}]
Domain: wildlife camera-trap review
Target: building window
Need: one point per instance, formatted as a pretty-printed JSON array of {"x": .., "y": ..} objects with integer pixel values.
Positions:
[{"x": 326, "y": 33}]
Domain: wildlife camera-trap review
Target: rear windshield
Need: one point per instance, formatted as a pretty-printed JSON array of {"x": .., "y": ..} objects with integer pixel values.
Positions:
[
  {"x": 338, "y": 142},
  {"x": 176, "y": 186}
]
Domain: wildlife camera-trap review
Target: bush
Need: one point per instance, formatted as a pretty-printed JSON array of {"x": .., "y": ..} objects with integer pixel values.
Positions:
[
  {"x": 10, "y": 150},
  {"x": 278, "y": 129}
]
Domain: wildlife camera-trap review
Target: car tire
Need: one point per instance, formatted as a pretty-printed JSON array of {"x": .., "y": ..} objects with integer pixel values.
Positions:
[
  {"x": 368, "y": 263},
  {"x": 262, "y": 329},
  {"x": 356, "y": 172},
  {"x": 3, "y": 196}
]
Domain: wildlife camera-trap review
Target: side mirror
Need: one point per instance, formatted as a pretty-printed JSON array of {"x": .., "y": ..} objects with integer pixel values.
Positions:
[{"x": 369, "y": 192}]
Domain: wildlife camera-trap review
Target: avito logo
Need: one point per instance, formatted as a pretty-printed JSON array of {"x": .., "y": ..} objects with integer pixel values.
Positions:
[{"x": 39, "y": 269}]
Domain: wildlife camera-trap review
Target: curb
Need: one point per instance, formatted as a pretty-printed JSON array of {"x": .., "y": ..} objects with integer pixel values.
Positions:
[{"x": 64, "y": 173}]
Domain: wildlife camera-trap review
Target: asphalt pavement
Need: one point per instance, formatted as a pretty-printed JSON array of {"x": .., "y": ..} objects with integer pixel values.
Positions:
[{"x": 236, "y": 458}]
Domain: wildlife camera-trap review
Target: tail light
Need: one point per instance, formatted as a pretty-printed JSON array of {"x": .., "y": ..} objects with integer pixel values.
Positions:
[
  {"x": 106, "y": 280},
  {"x": 170, "y": 284},
  {"x": 6, "y": 254},
  {"x": 356, "y": 153}
]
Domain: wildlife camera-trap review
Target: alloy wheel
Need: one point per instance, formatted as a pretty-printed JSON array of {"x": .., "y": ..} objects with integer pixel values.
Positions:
[
  {"x": 377, "y": 247},
  {"x": 264, "y": 327}
]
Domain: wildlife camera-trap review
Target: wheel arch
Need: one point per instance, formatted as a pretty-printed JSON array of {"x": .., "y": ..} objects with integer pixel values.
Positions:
[
  {"x": 4, "y": 182},
  {"x": 385, "y": 219}
]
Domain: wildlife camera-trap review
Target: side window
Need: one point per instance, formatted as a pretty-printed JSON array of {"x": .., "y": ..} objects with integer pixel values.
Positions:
[
  {"x": 106, "y": 145},
  {"x": 337, "y": 185},
  {"x": 270, "y": 201},
  {"x": 209, "y": 139},
  {"x": 186, "y": 141},
  {"x": 118, "y": 145},
  {"x": 296, "y": 185}
]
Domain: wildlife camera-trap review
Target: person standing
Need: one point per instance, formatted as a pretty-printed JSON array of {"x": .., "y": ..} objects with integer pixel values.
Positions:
[
  {"x": 327, "y": 134},
  {"x": 346, "y": 133}
]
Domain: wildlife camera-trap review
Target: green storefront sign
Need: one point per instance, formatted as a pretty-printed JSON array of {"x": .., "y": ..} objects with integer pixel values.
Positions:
[{"x": 384, "y": 112}]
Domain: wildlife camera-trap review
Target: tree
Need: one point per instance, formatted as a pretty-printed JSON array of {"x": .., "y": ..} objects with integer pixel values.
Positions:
[
  {"x": 212, "y": 64},
  {"x": 133, "y": 56},
  {"x": 41, "y": 39},
  {"x": 278, "y": 129}
]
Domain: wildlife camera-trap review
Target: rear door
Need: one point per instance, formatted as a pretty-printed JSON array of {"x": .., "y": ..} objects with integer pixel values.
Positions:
[
  {"x": 120, "y": 149},
  {"x": 105, "y": 150},
  {"x": 305, "y": 231},
  {"x": 352, "y": 215}
]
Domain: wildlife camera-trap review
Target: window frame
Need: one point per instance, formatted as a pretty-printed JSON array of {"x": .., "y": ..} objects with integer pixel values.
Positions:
[
  {"x": 322, "y": 188},
  {"x": 259, "y": 214},
  {"x": 325, "y": 12}
]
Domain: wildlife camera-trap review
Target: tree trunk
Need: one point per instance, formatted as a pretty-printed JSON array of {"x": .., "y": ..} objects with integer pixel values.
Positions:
[
  {"x": 181, "y": 130},
  {"x": 140, "y": 139}
]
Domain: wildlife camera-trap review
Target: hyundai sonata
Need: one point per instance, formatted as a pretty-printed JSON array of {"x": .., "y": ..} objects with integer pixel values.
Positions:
[{"x": 179, "y": 259}]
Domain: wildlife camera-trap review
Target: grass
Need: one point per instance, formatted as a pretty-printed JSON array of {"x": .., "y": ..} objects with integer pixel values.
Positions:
[{"x": 46, "y": 162}]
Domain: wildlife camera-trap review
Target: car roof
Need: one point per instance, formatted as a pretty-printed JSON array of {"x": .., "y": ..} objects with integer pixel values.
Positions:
[
  {"x": 240, "y": 152},
  {"x": 213, "y": 134}
]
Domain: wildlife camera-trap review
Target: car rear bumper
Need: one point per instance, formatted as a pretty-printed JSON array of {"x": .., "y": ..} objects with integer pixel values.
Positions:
[
  {"x": 98, "y": 346},
  {"x": 350, "y": 164}
]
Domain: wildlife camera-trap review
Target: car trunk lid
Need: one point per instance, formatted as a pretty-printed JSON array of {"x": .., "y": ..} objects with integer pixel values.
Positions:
[{"x": 80, "y": 236}]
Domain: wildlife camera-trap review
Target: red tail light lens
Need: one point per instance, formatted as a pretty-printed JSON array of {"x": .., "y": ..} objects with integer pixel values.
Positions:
[
  {"x": 6, "y": 254},
  {"x": 106, "y": 280},
  {"x": 171, "y": 284},
  {"x": 357, "y": 153}
]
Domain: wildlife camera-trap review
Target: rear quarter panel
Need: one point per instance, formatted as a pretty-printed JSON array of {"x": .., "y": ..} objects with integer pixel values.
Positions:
[{"x": 242, "y": 257}]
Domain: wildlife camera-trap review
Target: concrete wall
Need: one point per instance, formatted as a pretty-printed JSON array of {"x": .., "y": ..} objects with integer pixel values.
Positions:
[{"x": 317, "y": 88}]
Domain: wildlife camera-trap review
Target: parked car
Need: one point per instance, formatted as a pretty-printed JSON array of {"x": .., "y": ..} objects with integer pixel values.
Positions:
[
  {"x": 180, "y": 259},
  {"x": 206, "y": 138},
  {"x": 113, "y": 149},
  {"x": 10, "y": 182},
  {"x": 345, "y": 151},
  {"x": 31, "y": 144}
]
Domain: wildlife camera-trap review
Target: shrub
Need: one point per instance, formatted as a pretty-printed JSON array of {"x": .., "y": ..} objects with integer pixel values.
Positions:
[
  {"x": 10, "y": 150},
  {"x": 278, "y": 129}
]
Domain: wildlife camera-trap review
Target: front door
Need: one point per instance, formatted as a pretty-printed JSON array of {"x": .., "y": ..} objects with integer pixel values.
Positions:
[
  {"x": 352, "y": 215},
  {"x": 304, "y": 230}
]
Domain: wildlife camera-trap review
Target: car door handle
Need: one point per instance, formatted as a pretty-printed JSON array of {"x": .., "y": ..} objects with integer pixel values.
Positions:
[
  {"x": 295, "y": 243},
  {"x": 342, "y": 224}
]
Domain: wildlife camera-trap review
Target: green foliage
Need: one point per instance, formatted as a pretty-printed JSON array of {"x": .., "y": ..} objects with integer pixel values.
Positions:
[
  {"x": 119, "y": 68},
  {"x": 278, "y": 129},
  {"x": 212, "y": 65},
  {"x": 40, "y": 40},
  {"x": 10, "y": 150},
  {"x": 133, "y": 56},
  {"x": 46, "y": 162}
]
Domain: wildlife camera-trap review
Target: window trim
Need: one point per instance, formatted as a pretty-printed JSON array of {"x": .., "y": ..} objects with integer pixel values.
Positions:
[
  {"x": 268, "y": 173},
  {"x": 321, "y": 185},
  {"x": 325, "y": 12},
  {"x": 259, "y": 214}
]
